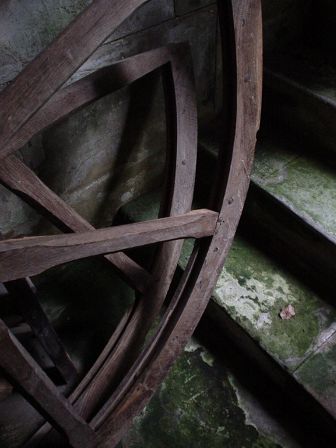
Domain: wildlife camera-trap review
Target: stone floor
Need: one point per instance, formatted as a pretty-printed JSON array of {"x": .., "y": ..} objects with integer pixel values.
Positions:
[{"x": 203, "y": 402}]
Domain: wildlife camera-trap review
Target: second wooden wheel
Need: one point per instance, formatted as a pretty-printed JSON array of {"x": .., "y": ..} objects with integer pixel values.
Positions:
[{"x": 127, "y": 373}]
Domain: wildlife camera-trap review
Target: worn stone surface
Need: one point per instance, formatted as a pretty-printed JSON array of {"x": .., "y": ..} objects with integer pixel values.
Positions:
[
  {"x": 199, "y": 29},
  {"x": 26, "y": 29},
  {"x": 84, "y": 302},
  {"x": 305, "y": 184},
  {"x": 201, "y": 403},
  {"x": 254, "y": 293},
  {"x": 197, "y": 406},
  {"x": 318, "y": 375},
  {"x": 303, "y": 87},
  {"x": 101, "y": 157}
]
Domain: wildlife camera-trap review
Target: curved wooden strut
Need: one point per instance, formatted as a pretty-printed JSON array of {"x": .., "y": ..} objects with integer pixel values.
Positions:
[{"x": 126, "y": 371}]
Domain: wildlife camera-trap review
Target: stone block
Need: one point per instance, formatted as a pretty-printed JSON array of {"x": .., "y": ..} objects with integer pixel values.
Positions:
[
  {"x": 26, "y": 31},
  {"x": 112, "y": 151}
]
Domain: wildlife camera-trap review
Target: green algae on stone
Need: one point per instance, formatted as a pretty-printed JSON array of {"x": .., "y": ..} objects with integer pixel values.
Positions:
[
  {"x": 307, "y": 186},
  {"x": 271, "y": 161},
  {"x": 318, "y": 375},
  {"x": 195, "y": 407},
  {"x": 253, "y": 290}
]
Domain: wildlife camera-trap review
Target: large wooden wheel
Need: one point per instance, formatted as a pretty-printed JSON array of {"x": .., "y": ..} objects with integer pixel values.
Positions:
[{"x": 128, "y": 372}]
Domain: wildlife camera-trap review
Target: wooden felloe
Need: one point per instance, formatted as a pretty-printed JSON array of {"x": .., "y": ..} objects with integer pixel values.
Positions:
[{"x": 129, "y": 370}]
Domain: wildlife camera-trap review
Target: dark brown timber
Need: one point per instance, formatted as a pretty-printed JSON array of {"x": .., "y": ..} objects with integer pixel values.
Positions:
[
  {"x": 49, "y": 71},
  {"x": 31, "y": 256},
  {"x": 24, "y": 294},
  {"x": 127, "y": 373},
  {"x": 23, "y": 370}
]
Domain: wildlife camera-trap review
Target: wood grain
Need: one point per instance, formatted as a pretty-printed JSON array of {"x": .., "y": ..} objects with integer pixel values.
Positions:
[
  {"x": 192, "y": 297},
  {"x": 31, "y": 256},
  {"x": 136, "y": 372},
  {"x": 20, "y": 179},
  {"x": 23, "y": 370},
  {"x": 91, "y": 88},
  {"x": 52, "y": 68},
  {"x": 24, "y": 295}
]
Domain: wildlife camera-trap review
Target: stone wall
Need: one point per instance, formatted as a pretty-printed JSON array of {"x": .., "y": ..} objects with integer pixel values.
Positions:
[{"x": 101, "y": 157}]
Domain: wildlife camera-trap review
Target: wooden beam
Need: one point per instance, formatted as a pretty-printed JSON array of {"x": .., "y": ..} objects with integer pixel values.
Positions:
[
  {"x": 40, "y": 390},
  {"x": 91, "y": 88},
  {"x": 24, "y": 182},
  {"x": 25, "y": 257},
  {"x": 52, "y": 68},
  {"x": 24, "y": 294}
]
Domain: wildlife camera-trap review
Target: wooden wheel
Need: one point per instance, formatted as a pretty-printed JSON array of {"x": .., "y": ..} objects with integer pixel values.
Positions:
[{"x": 127, "y": 371}]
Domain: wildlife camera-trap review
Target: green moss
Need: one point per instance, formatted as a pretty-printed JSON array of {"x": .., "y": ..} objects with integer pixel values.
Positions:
[
  {"x": 195, "y": 407},
  {"x": 305, "y": 184},
  {"x": 255, "y": 291},
  {"x": 318, "y": 375}
]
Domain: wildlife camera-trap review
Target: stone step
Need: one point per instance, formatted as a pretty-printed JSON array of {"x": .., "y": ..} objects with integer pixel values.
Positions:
[
  {"x": 291, "y": 206},
  {"x": 252, "y": 291},
  {"x": 207, "y": 401},
  {"x": 300, "y": 96}
]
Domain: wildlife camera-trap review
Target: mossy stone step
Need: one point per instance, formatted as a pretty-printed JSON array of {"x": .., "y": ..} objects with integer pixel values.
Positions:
[
  {"x": 300, "y": 94},
  {"x": 291, "y": 207},
  {"x": 318, "y": 374},
  {"x": 306, "y": 185},
  {"x": 200, "y": 404},
  {"x": 252, "y": 290}
]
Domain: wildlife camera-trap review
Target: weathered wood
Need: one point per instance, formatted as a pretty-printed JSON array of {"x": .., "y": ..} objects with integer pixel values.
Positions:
[
  {"x": 184, "y": 131},
  {"x": 242, "y": 42},
  {"x": 24, "y": 294},
  {"x": 24, "y": 182},
  {"x": 49, "y": 71},
  {"x": 91, "y": 88},
  {"x": 31, "y": 256},
  {"x": 183, "y": 128},
  {"x": 184, "y": 313},
  {"x": 23, "y": 370},
  {"x": 180, "y": 177},
  {"x": 21, "y": 180}
]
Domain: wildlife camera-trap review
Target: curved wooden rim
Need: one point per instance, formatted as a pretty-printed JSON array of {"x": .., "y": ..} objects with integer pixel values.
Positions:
[
  {"x": 208, "y": 258},
  {"x": 142, "y": 373}
]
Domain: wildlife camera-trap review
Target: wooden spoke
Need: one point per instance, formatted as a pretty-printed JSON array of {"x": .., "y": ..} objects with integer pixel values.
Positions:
[
  {"x": 24, "y": 182},
  {"x": 181, "y": 164},
  {"x": 127, "y": 373},
  {"x": 184, "y": 313},
  {"x": 91, "y": 88},
  {"x": 48, "y": 72},
  {"x": 23, "y": 370},
  {"x": 24, "y": 294},
  {"x": 31, "y": 256}
]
